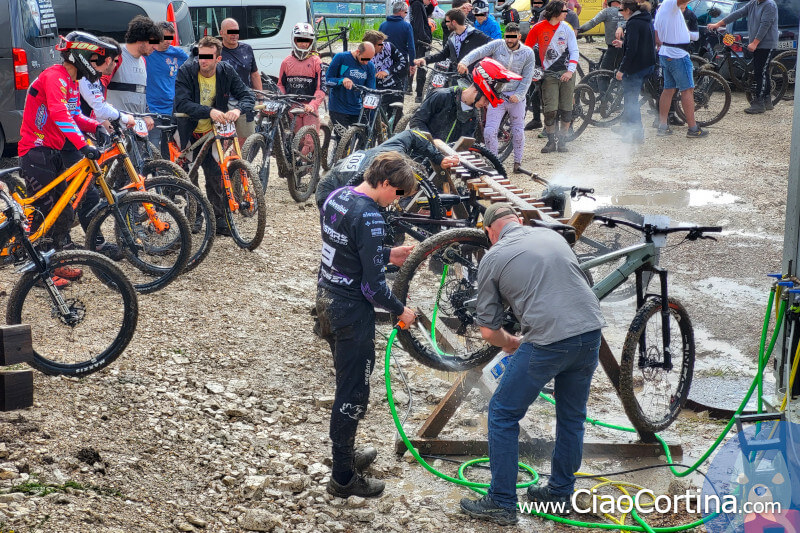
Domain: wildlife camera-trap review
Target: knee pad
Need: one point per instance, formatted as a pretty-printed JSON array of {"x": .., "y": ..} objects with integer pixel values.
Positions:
[
  {"x": 550, "y": 118},
  {"x": 566, "y": 116}
]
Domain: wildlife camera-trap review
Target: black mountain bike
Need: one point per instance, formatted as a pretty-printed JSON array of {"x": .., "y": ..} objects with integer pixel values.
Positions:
[{"x": 374, "y": 124}]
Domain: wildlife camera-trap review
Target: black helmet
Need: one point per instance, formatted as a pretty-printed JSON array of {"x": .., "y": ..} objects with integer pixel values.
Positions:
[{"x": 78, "y": 48}]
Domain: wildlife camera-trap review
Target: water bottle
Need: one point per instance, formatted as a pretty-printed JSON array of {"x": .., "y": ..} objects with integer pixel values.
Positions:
[{"x": 493, "y": 371}]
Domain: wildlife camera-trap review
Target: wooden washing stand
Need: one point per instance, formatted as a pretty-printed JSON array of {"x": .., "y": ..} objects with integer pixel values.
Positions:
[{"x": 496, "y": 188}]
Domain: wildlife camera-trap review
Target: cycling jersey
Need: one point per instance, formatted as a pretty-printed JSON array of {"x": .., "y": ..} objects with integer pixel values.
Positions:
[
  {"x": 94, "y": 96},
  {"x": 52, "y": 114},
  {"x": 353, "y": 255},
  {"x": 302, "y": 77},
  {"x": 558, "y": 47}
]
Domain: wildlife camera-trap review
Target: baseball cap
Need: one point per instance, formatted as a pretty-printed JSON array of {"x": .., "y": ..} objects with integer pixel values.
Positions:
[{"x": 497, "y": 211}]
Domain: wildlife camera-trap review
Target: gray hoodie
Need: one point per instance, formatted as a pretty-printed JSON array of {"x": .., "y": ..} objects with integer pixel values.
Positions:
[
  {"x": 611, "y": 17},
  {"x": 762, "y": 21},
  {"x": 521, "y": 61}
]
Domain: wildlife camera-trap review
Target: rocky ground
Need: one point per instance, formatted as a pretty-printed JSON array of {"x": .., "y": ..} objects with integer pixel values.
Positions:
[{"x": 215, "y": 418}]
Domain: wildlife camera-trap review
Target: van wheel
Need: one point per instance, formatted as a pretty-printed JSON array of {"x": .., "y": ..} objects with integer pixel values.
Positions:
[{"x": 2, "y": 143}]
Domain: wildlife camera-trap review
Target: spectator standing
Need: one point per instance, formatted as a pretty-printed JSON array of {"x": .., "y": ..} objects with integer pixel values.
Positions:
[
  {"x": 762, "y": 26},
  {"x": 638, "y": 62},
  {"x": 484, "y": 21},
  {"x": 466, "y": 7},
  {"x": 463, "y": 40},
  {"x": 241, "y": 57},
  {"x": 162, "y": 69},
  {"x": 301, "y": 73},
  {"x": 423, "y": 37},
  {"x": 673, "y": 37},
  {"x": 390, "y": 70},
  {"x": 400, "y": 35},
  {"x": 346, "y": 70},
  {"x": 518, "y": 58},
  {"x": 127, "y": 87},
  {"x": 611, "y": 17},
  {"x": 558, "y": 53}
]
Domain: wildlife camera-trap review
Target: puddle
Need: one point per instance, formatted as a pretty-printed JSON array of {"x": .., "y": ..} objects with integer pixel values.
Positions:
[
  {"x": 724, "y": 290},
  {"x": 687, "y": 198}
]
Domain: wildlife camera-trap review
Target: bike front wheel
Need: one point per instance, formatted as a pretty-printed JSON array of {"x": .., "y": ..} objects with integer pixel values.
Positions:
[
  {"x": 355, "y": 138},
  {"x": 152, "y": 234},
  {"x": 505, "y": 143},
  {"x": 652, "y": 390},
  {"x": 712, "y": 98},
  {"x": 608, "y": 97},
  {"x": 306, "y": 154},
  {"x": 789, "y": 60},
  {"x": 249, "y": 220},
  {"x": 255, "y": 152},
  {"x": 582, "y": 109},
  {"x": 82, "y": 327},
  {"x": 779, "y": 79}
]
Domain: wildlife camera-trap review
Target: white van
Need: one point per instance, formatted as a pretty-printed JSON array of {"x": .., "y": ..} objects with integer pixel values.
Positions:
[{"x": 266, "y": 25}]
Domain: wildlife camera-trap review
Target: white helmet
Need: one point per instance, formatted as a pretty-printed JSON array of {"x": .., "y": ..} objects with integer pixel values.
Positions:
[{"x": 302, "y": 30}]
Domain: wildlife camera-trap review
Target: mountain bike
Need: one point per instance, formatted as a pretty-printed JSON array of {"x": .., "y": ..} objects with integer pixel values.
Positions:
[
  {"x": 297, "y": 154},
  {"x": 733, "y": 57},
  {"x": 788, "y": 59},
  {"x": 439, "y": 77},
  {"x": 244, "y": 204},
  {"x": 584, "y": 104},
  {"x": 439, "y": 281},
  {"x": 712, "y": 96},
  {"x": 374, "y": 125},
  {"x": 78, "y": 328}
]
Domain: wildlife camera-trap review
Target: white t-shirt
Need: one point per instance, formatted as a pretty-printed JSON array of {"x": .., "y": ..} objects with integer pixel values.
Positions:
[{"x": 671, "y": 28}]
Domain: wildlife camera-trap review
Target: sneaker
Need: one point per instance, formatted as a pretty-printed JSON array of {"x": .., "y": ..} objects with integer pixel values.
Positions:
[
  {"x": 417, "y": 99},
  {"x": 486, "y": 509},
  {"x": 551, "y": 145},
  {"x": 110, "y": 250},
  {"x": 561, "y": 144},
  {"x": 756, "y": 107},
  {"x": 543, "y": 134},
  {"x": 68, "y": 272},
  {"x": 360, "y": 485},
  {"x": 533, "y": 124},
  {"x": 696, "y": 134},
  {"x": 768, "y": 106},
  {"x": 663, "y": 131},
  {"x": 364, "y": 457},
  {"x": 59, "y": 282},
  {"x": 561, "y": 505},
  {"x": 222, "y": 227}
]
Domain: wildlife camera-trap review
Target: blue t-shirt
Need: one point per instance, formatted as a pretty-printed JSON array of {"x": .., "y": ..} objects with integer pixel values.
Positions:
[
  {"x": 490, "y": 27},
  {"x": 162, "y": 68},
  {"x": 344, "y": 65}
]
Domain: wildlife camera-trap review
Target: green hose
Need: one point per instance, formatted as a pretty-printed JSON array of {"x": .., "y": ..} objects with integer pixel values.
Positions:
[{"x": 763, "y": 358}]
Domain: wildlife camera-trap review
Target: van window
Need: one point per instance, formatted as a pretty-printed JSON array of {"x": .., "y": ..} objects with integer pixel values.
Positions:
[
  {"x": 38, "y": 22},
  {"x": 102, "y": 17},
  {"x": 788, "y": 14},
  {"x": 184, "y": 23},
  {"x": 264, "y": 21},
  {"x": 207, "y": 19}
]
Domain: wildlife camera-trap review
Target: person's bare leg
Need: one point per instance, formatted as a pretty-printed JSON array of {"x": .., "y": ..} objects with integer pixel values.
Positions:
[
  {"x": 663, "y": 107},
  {"x": 687, "y": 100}
]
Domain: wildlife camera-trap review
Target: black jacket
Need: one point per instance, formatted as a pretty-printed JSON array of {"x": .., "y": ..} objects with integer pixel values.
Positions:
[
  {"x": 638, "y": 47},
  {"x": 419, "y": 23},
  {"x": 187, "y": 96},
  {"x": 473, "y": 40},
  {"x": 441, "y": 115}
]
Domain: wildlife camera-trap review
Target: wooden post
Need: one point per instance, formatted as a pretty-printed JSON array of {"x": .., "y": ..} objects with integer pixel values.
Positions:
[{"x": 16, "y": 387}]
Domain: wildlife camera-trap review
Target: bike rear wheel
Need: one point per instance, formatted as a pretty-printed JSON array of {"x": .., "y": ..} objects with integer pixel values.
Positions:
[
  {"x": 651, "y": 394},
  {"x": 95, "y": 324},
  {"x": 582, "y": 110},
  {"x": 164, "y": 167},
  {"x": 248, "y": 222},
  {"x": 153, "y": 235},
  {"x": 402, "y": 124},
  {"x": 255, "y": 152},
  {"x": 504, "y": 139},
  {"x": 489, "y": 160},
  {"x": 325, "y": 132},
  {"x": 608, "y": 97},
  {"x": 779, "y": 76},
  {"x": 712, "y": 98},
  {"x": 306, "y": 154},
  {"x": 789, "y": 60},
  {"x": 438, "y": 281}
]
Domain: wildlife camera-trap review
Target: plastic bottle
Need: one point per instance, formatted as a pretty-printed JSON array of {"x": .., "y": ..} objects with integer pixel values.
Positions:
[{"x": 493, "y": 371}]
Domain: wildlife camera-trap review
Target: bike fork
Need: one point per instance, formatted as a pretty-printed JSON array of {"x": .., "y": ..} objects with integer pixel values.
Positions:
[{"x": 666, "y": 362}]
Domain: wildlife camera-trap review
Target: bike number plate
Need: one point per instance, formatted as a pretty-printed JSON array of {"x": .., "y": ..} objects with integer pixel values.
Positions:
[
  {"x": 139, "y": 127},
  {"x": 438, "y": 80},
  {"x": 537, "y": 74},
  {"x": 787, "y": 45},
  {"x": 225, "y": 130},
  {"x": 270, "y": 108},
  {"x": 370, "y": 101}
]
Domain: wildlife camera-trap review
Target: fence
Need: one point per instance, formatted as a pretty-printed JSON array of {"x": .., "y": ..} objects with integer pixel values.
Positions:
[{"x": 363, "y": 13}]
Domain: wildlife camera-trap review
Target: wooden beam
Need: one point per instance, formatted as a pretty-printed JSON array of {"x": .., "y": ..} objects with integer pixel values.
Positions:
[{"x": 446, "y": 408}]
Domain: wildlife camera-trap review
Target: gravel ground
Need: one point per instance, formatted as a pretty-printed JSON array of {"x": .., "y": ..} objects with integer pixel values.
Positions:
[{"x": 215, "y": 418}]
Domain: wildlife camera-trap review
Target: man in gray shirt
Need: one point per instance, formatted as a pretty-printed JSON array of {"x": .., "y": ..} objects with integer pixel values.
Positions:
[
  {"x": 127, "y": 88},
  {"x": 612, "y": 19},
  {"x": 534, "y": 271},
  {"x": 762, "y": 27}
]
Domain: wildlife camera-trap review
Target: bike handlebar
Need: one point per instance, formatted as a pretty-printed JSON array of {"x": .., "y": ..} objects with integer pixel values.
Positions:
[{"x": 694, "y": 232}]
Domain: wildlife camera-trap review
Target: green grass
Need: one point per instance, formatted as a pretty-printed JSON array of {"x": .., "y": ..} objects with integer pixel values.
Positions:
[
  {"x": 358, "y": 27},
  {"x": 35, "y": 487}
]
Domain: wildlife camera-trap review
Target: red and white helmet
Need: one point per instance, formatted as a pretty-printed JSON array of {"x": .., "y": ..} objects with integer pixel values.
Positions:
[
  {"x": 490, "y": 77},
  {"x": 302, "y": 30}
]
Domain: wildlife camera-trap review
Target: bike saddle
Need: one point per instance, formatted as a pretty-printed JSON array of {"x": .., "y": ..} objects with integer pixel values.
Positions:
[
  {"x": 6, "y": 171},
  {"x": 169, "y": 128},
  {"x": 398, "y": 105},
  {"x": 297, "y": 111}
]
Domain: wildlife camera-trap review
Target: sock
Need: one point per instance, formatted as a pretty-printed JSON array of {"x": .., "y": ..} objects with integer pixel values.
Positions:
[
  {"x": 342, "y": 477},
  {"x": 695, "y": 128}
]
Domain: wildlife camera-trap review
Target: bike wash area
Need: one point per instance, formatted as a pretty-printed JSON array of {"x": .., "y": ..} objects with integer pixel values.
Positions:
[{"x": 747, "y": 477}]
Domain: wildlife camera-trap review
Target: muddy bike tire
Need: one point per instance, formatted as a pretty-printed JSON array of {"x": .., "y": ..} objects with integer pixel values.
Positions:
[
  {"x": 607, "y": 89},
  {"x": 164, "y": 167},
  {"x": 789, "y": 60},
  {"x": 301, "y": 189},
  {"x": 325, "y": 132},
  {"x": 712, "y": 98},
  {"x": 599, "y": 239},
  {"x": 780, "y": 80},
  {"x": 419, "y": 277},
  {"x": 256, "y": 152},
  {"x": 198, "y": 210},
  {"x": 354, "y": 139},
  {"x": 248, "y": 223},
  {"x": 505, "y": 144},
  {"x": 402, "y": 124},
  {"x": 112, "y": 310},
  {"x": 582, "y": 110},
  {"x": 491, "y": 161},
  {"x": 644, "y": 412}
]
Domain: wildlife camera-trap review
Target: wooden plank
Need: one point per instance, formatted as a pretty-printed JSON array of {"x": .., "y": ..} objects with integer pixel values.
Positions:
[
  {"x": 543, "y": 448},
  {"x": 580, "y": 221},
  {"x": 16, "y": 390},
  {"x": 16, "y": 344},
  {"x": 609, "y": 364},
  {"x": 446, "y": 408}
]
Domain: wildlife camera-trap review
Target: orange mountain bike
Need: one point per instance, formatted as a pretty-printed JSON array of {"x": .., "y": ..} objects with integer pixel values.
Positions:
[
  {"x": 245, "y": 208},
  {"x": 152, "y": 232}
]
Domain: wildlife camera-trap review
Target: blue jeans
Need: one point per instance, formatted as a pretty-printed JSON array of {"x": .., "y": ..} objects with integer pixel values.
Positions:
[
  {"x": 572, "y": 363},
  {"x": 632, "y": 112},
  {"x": 677, "y": 72}
]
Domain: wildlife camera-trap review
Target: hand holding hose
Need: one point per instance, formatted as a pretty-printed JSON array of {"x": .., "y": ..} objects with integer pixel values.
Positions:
[{"x": 407, "y": 318}]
